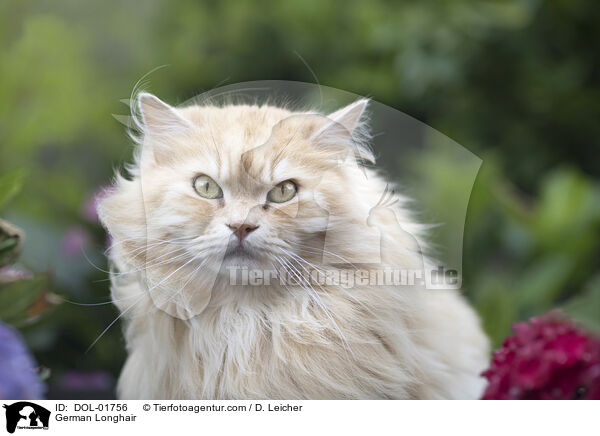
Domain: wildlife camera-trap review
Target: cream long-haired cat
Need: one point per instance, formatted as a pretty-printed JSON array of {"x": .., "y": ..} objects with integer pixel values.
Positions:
[{"x": 248, "y": 187}]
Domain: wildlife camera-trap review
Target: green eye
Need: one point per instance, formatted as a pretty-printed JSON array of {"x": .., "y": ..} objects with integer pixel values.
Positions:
[
  {"x": 207, "y": 187},
  {"x": 283, "y": 192}
]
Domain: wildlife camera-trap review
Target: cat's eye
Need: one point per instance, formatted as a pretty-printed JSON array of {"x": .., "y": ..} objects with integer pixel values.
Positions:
[
  {"x": 206, "y": 187},
  {"x": 283, "y": 192}
]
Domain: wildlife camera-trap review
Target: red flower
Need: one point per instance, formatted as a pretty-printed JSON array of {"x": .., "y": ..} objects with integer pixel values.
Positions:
[{"x": 547, "y": 358}]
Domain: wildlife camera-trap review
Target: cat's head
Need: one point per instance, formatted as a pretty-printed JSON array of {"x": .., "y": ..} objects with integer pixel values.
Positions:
[{"x": 235, "y": 186}]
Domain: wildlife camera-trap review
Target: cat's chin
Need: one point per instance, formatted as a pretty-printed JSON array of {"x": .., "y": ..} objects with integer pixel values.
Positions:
[
  {"x": 241, "y": 257},
  {"x": 243, "y": 262}
]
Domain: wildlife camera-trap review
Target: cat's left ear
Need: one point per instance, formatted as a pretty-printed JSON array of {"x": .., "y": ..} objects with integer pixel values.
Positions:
[
  {"x": 348, "y": 123},
  {"x": 350, "y": 116}
]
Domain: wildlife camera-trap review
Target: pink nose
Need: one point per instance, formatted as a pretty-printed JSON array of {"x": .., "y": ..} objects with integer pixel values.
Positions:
[{"x": 242, "y": 230}]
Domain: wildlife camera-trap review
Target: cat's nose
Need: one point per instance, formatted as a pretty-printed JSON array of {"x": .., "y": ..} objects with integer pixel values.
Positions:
[{"x": 242, "y": 230}]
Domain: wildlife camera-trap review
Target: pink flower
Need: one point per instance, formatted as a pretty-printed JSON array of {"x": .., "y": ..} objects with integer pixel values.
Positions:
[
  {"x": 547, "y": 358},
  {"x": 74, "y": 241},
  {"x": 11, "y": 273},
  {"x": 89, "y": 209}
]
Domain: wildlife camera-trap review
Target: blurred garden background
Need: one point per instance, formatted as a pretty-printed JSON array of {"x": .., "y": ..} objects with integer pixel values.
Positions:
[{"x": 515, "y": 82}]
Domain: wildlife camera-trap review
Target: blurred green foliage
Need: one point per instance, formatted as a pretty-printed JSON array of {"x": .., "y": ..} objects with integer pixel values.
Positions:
[
  {"x": 24, "y": 297},
  {"x": 516, "y": 82}
]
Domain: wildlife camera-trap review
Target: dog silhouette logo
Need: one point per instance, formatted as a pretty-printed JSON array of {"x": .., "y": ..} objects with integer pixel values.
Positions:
[{"x": 26, "y": 415}]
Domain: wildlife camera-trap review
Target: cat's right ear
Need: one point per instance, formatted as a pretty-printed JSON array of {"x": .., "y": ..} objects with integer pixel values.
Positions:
[{"x": 161, "y": 124}]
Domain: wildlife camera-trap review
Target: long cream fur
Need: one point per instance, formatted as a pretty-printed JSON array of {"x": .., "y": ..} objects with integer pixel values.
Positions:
[{"x": 191, "y": 334}]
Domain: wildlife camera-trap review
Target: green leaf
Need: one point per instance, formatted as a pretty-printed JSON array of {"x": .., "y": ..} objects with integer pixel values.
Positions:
[
  {"x": 498, "y": 310},
  {"x": 585, "y": 308},
  {"x": 542, "y": 283},
  {"x": 7, "y": 249},
  {"x": 11, "y": 242},
  {"x": 10, "y": 184},
  {"x": 567, "y": 211},
  {"x": 17, "y": 298}
]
